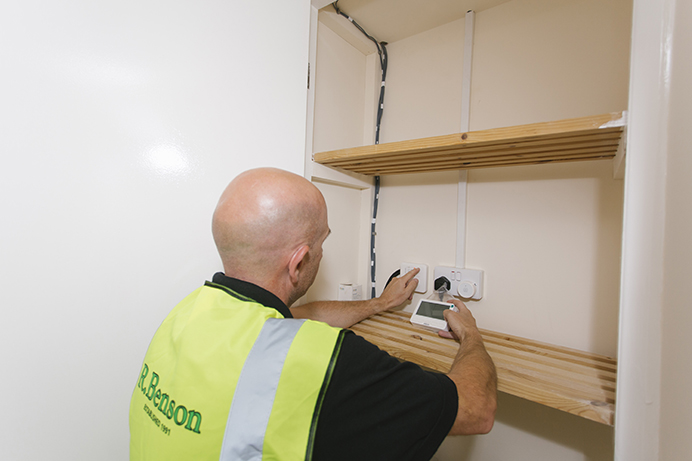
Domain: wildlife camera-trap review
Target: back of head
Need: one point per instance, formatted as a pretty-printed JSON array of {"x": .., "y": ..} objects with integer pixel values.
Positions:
[{"x": 261, "y": 217}]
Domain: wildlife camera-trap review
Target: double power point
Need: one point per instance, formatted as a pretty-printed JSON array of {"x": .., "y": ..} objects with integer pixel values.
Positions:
[{"x": 465, "y": 283}]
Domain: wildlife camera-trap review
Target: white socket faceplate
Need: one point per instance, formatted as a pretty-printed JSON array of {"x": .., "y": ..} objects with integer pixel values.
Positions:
[{"x": 466, "y": 283}]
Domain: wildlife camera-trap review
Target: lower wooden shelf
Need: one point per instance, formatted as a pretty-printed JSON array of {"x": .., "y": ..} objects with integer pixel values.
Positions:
[{"x": 577, "y": 382}]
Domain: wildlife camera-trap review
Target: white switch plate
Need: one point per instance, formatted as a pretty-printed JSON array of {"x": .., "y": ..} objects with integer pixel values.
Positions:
[
  {"x": 422, "y": 276},
  {"x": 466, "y": 283}
]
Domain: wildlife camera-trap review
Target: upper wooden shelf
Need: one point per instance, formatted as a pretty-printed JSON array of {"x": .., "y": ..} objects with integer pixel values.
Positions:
[
  {"x": 577, "y": 382},
  {"x": 577, "y": 139}
]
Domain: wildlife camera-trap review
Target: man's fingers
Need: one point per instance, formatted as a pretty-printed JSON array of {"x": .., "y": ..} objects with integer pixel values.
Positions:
[
  {"x": 447, "y": 334},
  {"x": 452, "y": 319},
  {"x": 459, "y": 322},
  {"x": 410, "y": 274},
  {"x": 455, "y": 324}
]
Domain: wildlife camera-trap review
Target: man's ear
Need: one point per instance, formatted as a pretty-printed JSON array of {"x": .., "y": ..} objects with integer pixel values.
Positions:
[{"x": 296, "y": 263}]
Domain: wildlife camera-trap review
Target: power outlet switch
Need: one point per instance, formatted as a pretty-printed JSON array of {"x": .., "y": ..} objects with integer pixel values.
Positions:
[{"x": 422, "y": 276}]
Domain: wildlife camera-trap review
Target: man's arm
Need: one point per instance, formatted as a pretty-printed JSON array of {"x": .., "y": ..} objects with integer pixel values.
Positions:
[
  {"x": 473, "y": 373},
  {"x": 343, "y": 314}
]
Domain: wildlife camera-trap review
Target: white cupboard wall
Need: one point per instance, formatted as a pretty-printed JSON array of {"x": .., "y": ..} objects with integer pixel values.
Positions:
[
  {"x": 120, "y": 125},
  {"x": 676, "y": 317},
  {"x": 547, "y": 236}
]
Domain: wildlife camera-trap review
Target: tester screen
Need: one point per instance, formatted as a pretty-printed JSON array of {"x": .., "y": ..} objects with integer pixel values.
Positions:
[{"x": 432, "y": 310}]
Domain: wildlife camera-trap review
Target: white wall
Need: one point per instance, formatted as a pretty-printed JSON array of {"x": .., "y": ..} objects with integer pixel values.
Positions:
[
  {"x": 538, "y": 60},
  {"x": 120, "y": 124},
  {"x": 423, "y": 96},
  {"x": 344, "y": 265},
  {"x": 548, "y": 236},
  {"x": 343, "y": 104}
]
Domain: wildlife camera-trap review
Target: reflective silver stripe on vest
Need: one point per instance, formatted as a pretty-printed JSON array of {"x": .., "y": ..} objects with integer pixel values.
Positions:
[{"x": 256, "y": 390}]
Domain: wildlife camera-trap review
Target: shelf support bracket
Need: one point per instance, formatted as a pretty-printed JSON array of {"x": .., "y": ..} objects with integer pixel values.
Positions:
[{"x": 460, "y": 259}]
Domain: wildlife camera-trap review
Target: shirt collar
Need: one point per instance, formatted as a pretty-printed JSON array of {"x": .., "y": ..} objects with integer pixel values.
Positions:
[{"x": 254, "y": 292}]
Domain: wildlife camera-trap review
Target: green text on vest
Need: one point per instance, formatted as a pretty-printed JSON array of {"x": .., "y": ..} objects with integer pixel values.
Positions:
[{"x": 191, "y": 419}]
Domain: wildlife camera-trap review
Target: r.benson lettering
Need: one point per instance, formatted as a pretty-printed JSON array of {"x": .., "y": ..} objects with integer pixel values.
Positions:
[{"x": 191, "y": 419}]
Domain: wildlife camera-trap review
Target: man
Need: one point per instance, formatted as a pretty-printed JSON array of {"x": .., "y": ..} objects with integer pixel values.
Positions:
[{"x": 234, "y": 374}]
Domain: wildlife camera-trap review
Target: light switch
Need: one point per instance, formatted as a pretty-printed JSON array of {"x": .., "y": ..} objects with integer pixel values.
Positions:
[{"x": 422, "y": 276}]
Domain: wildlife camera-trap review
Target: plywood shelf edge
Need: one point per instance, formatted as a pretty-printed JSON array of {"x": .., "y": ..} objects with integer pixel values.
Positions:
[
  {"x": 574, "y": 381},
  {"x": 578, "y": 139}
]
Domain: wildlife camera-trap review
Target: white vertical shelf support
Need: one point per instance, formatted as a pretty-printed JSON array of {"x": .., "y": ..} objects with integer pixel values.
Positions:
[
  {"x": 460, "y": 260},
  {"x": 466, "y": 71}
]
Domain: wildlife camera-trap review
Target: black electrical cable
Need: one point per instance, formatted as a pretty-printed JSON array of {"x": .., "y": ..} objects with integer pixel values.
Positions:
[
  {"x": 372, "y": 237},
  {"x": 396, "y": 273},
  {"x": 382, "y": 52}
]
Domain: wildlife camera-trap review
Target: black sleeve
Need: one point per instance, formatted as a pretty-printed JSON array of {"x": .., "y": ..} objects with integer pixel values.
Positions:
[{"x": 378, "y": 408}]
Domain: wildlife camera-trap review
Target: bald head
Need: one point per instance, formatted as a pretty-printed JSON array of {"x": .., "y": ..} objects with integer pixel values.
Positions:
[{"x": 262, "y": 218}]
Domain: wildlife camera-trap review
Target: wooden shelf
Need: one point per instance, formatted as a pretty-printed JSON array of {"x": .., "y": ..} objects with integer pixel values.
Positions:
[
  {"x": 577, "y": 139},
  {"x": 577, "y": 382}
]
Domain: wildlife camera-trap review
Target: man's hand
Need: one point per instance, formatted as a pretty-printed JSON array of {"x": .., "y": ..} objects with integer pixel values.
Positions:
[
  {"x": 460, "y": 323},
  {"x": 399, "y": 290},
  {"x": 473, "y": 373}
]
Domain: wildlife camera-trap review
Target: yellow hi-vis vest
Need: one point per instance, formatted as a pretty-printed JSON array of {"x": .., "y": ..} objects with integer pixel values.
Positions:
[{"x": 226, "y": 378}]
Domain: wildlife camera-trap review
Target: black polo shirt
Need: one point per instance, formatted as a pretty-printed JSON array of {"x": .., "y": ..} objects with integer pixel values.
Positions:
[{"x": 376, "y": 407}]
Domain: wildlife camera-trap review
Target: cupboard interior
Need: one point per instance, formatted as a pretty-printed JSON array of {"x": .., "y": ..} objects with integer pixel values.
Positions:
[{"x": 546, "y": 235}]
